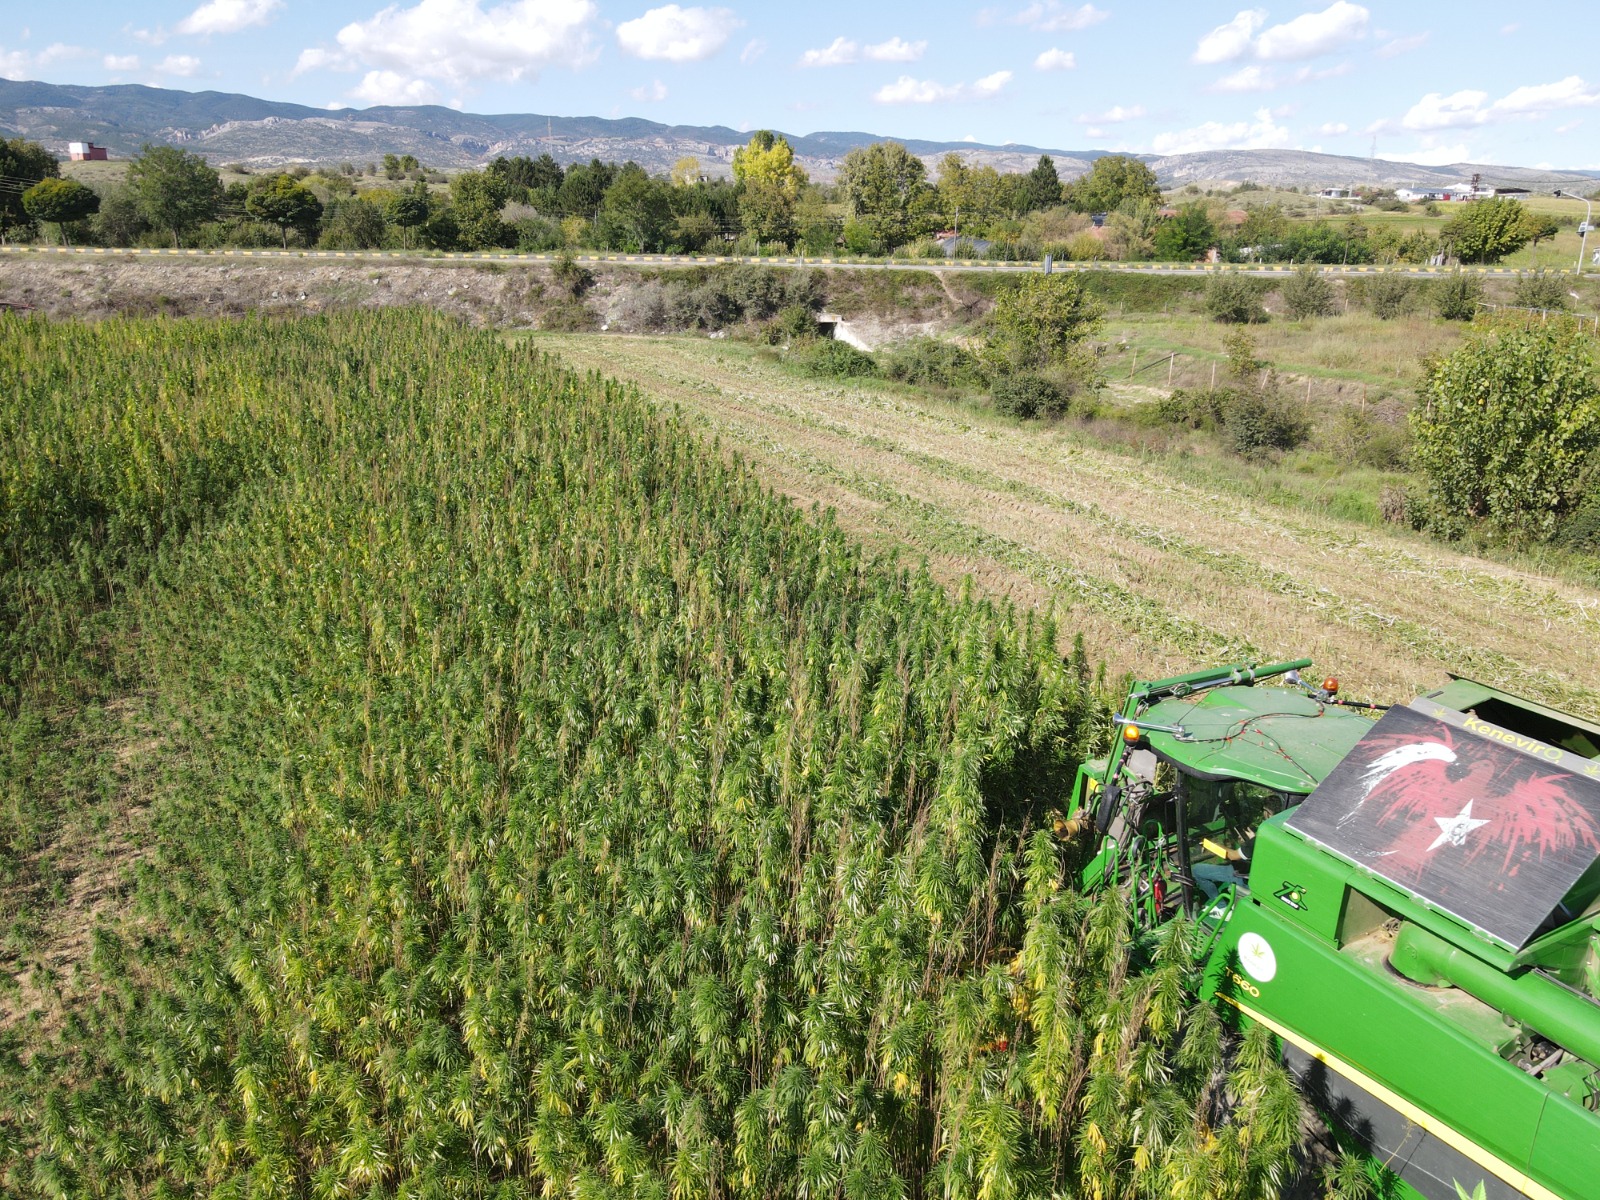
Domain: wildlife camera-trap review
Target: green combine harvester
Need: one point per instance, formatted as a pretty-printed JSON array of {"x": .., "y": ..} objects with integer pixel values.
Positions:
[{"x": 1408, "y": 897}]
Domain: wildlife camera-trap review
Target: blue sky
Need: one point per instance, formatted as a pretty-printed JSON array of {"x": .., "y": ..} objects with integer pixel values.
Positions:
[{"x": 1433, "y": 83}]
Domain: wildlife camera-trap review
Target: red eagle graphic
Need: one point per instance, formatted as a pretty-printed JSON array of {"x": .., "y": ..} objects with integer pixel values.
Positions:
[{"x": 1452, "y": 801}]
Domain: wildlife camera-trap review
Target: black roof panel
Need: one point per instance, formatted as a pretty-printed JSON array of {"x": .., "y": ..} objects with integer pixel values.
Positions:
[{"x": 1490, "y": 826}]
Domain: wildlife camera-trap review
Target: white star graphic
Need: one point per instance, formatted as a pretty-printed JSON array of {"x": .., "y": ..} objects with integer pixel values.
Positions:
[{"x": 1455, "y": 829}]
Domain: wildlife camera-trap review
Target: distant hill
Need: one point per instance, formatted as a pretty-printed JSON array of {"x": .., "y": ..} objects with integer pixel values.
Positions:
[{"x": 233, "y": 128}]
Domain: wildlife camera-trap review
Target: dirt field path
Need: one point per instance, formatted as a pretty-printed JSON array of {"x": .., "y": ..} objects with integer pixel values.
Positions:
[{"x": 1158, "y": 574}]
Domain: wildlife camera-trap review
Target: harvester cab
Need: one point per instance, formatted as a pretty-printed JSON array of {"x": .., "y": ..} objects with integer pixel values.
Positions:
[
  {"x": 1418, "y": 920},
  {"x": 1199, "y": 762}
]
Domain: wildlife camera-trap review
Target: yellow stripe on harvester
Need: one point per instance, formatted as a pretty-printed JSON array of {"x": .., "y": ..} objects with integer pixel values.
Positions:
[{"x": 1451, "y": 1137}]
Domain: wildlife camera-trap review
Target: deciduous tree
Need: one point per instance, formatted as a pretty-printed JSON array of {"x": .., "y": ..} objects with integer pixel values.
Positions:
[
  {"x": 886, "y": 189},
  {"x": 22, "y": 163},
  {"x": 284, "y": 202},
  {"x": 177, "y": 191},
  {"x": 770, "y": 183},
  {"x": 1486, "y": 231},
  {"x": 60, "y": 201},
  {"x": 1110, "y": 182},
  {"x": 1044, "y": 324},
  {"x": 1506, "y": 424},
  {"x": 410, "y": 210}
]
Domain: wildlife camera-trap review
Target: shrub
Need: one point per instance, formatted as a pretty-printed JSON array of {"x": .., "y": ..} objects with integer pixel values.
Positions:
[
  {"x": 1197, "y": 408},
  {"x": 1581, "y": 530},
  {"x": 1308, "y": 293},
  {"x": 1234, "y": 300},
  {"x": 795, "y": 322},
  {"x": 933, "y": 362},
  {"x": 1538, "y": 290},
  {"x": 574, "y": 279},
  {"x": 829, "y": 359},
  {"x": 1360, "y": 440},
  {"x": 1456, "y": 296},
  {"x": 1389, "y": 296},
  {"x": 1261, "y": 421},
  {"x": 1028, "y": 396}
]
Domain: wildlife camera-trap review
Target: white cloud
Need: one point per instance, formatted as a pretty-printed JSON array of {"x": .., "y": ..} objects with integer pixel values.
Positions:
[
  {"x": 653, "y": 94},
  {"x": 1314, "y": 33},
  {"x": 1570, "y": 125},
  {"x": 392, "y": 88},
  {"x": 183, "y": 65},
  {"x": 1333, "y": 128},
  {"x": 753, "y": 49},
  {"x": 1114, "y": 115},
  {"x": 1402, "y": 45},
  {"x": 25, "y": 64},
  {"x": 1571, "y": 92},
  {"x": 1092, "y": 132},
  {"x": 990, "y": 85},
  {"x": 1469, "y": 107},
  {"x": 1056, "y": 60},
  {"x": 675, "y": 34},
  {"x": 895, "y": 50},
  {"x": 459, "y": 42},
  {"x": 1306, "y": 36},
  {"x": 121, "y": 62},
  {"x": 837, "y": 54},
  {"x": 228, "y": 16},
  {"x": 1260, "y": 134},
  {"x": 1247, "y": 79},
  {"x": 907, "y": 90},
  {"x": 1227, "y": 42},
  {"x": 842, "y": 51},
  {"x": 1508, "y": 30},
  {"x": 1051, "y": 16},
  {"x": 1438, "y": 111}
]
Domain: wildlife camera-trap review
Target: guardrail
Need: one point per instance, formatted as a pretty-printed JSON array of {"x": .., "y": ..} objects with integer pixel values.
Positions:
[{"x": 794, "y": 260}]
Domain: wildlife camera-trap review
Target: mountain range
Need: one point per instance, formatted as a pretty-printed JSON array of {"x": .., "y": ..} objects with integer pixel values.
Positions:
[{"x": 228, "y": 127}]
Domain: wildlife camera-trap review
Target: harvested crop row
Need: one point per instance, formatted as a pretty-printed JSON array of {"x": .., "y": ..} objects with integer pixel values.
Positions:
[{"x": 1391, "y": 612}]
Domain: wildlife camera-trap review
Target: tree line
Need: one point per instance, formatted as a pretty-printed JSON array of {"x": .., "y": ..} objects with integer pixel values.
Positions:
[{"x": 884, "y": 201}]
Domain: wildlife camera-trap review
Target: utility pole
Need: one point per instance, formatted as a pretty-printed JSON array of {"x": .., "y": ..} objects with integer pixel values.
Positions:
[{"x": 1588, "y": 223}]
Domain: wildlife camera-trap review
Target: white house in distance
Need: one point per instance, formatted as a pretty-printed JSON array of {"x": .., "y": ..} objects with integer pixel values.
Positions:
[
  {"x": 1337, "y": 193},
  {"x": 1473, "y": 190},
  {"x": 85, "y": 152}
]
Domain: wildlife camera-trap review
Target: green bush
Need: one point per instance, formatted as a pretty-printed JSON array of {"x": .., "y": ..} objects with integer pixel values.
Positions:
[
  {"x": 1307, "y": 293},
  {"x": 1199, "y": 408},
  {"x": 1456, "y": 296},
  {"x": 1507, "y": 428},
  {"x": 1581, "y": 530},
  {"x": 828, "y": 359},
  {"x": 1358, "y": 439},
  {"x": 1539, "y": 290},
  {"x": 1028, "y": 396},
  {"x": 1234, "y": 300},
  {"x": 1258, "y": 422},
  {"x": 1389, "y": 295},
  {"x": 932, "y": 362}
]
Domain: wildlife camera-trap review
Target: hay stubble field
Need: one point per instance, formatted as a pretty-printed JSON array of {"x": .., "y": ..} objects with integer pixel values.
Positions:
[{"x": 1160, "y": 574}]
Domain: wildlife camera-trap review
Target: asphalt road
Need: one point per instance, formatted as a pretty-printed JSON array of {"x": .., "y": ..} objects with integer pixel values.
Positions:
[{"x": 676, "y": 260}]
